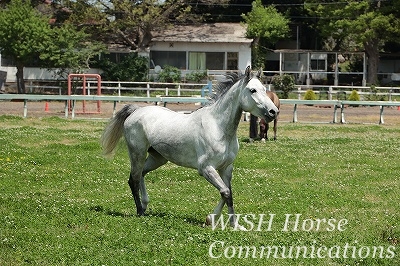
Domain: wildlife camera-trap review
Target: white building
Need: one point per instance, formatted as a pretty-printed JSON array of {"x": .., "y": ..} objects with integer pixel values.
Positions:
[{"x": 217, "y": 46}]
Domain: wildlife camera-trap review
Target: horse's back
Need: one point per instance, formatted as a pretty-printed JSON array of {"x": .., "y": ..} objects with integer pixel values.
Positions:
[{"x": 274, "y": 98}]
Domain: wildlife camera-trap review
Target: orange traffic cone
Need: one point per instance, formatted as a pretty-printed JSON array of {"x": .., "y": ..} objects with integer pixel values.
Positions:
[
  {"x": 398, "y": 107},
  {"x": 46, "y": 107}
]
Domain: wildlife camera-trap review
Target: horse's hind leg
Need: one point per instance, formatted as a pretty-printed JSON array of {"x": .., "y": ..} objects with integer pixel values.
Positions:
[
  {"x": 137, "y": 159},
  {"x": 153, "y": 161},
  {"x": 134, "y": 185}
]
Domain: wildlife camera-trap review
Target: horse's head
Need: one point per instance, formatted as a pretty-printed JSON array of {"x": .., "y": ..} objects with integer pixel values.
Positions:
[{"x": 254, "y": 98}]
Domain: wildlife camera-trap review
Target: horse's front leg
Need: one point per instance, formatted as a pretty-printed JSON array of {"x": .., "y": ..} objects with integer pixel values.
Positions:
[
  {"x": 226, "y": 175},
  {"x": 212, "y": 176}
]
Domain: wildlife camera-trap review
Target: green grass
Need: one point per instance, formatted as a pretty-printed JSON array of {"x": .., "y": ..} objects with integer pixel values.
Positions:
[{"x": 62, "y": 203}]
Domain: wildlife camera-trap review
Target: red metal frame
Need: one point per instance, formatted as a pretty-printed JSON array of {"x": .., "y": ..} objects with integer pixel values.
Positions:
[{"x": 84, "y": 76}]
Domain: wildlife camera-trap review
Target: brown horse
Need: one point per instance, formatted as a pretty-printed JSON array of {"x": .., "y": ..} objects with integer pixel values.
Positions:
[{"x": 265, "y": 126}]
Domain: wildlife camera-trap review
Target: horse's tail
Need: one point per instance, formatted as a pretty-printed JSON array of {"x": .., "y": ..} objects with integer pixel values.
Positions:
[{"x": 114, "y": 130}]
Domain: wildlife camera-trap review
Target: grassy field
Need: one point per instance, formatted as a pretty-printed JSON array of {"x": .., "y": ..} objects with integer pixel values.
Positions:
[{"x": 62, "y": 203}]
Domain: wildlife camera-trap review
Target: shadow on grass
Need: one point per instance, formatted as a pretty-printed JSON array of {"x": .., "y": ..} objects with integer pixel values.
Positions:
[
  {"x": 189, "y": 219},
  {"x": 150, "y": 213},
  {"x": 110, "y": 212}
]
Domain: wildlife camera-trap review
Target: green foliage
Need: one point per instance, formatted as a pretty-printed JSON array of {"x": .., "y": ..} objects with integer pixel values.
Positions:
[
  {"x": 196, "y": 76},
  {"x": 70, "y": 50},
  {"x": 170, "y": 74},
  {"x": 357, "y": 25},
  {"x": 310, "y": 95},
  {"x": 266, "y": 22},
  {"x": 131, "y": 68},
  {"x": 284, "y": 83},
  {"x": 373, "y": 94},
  {"x": 354, "y": 96},
  {"x": 24, "y": 32},
  {"x": 25, "y": 35},
  {"x": 266, "y": 25}
]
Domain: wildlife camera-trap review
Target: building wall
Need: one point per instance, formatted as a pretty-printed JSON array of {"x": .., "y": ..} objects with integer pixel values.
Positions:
[
  {"x": 243, "y": 49},
  {"x": 35, "y": 73}
]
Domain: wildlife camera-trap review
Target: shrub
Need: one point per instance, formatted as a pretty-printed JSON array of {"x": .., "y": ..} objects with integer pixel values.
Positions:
[
  {"x": 196, "y": 76},
  {"x": 284, "y": 83},
  {"x": 354, "y": 96},
  {"x": 170, "y": 74},
  {"x": 131, "y": 68},
  {"x": 310, "y": 95}
]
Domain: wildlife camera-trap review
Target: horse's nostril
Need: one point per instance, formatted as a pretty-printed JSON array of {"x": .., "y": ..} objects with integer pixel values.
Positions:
[{"x": 272, "y": 112}]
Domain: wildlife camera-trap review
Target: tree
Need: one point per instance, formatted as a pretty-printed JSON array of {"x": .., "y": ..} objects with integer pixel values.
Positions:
[
  {"x": 22, "y": 34},
  {"x": 69, "y": 50},
  {"x": 26, "y": 35},
  {"x": 358, "y": 25},
  {"x": 266, "y": 25},
  {"x": 131, "y": 23}
]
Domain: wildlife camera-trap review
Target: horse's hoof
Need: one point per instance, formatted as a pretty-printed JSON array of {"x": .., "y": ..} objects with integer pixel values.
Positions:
[
  {"x": 208, "y": 220},
  {"x": 263, "y": 140},
  {"x": 141, "y": 213}
]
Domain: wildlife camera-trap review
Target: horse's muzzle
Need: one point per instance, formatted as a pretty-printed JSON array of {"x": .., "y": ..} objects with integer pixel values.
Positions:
[{"x": 271, "y": 115}]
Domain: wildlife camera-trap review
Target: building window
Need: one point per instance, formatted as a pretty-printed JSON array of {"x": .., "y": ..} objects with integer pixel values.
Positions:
[
  {"x": 232, "y": 61},
  {"x": 7, "y": 61},
  {"x": 215, "y": 61},
  {"x": 170, "y": 58},
  {"x": 318, "y": 64},
  {"x": 197, "y": 61},
  {"x": 115, "y": 57},
  {"x": 206, "y": 60}
]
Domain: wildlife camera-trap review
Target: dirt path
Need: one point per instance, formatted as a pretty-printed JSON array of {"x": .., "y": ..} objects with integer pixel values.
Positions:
[{"x": 305, "y": 114}]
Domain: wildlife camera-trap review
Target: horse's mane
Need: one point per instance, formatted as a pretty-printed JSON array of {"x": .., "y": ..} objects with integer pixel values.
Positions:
[{"x": 223, "y": 85}]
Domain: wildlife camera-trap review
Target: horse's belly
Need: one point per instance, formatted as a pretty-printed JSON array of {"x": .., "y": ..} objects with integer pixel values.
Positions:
[{"x": 178, "y": 153}]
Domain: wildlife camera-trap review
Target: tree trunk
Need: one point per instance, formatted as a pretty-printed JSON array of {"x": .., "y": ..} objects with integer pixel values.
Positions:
[
  {"x": 20, "y": 78},
  {"x": 372, "y": 50}
]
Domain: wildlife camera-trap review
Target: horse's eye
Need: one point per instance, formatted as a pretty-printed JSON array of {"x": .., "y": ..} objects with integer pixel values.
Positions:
[{"x": 252, "y": 90}]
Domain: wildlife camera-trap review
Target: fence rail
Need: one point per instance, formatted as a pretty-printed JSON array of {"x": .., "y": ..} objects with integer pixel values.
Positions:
[
  {"x": 180, "y": 89},
  {"x": 70, "y": 108}
]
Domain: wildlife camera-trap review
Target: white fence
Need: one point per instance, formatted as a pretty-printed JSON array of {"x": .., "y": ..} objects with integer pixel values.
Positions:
[
  {"x": 71, "y": 99},
  {"x": 180, "y": 89}
]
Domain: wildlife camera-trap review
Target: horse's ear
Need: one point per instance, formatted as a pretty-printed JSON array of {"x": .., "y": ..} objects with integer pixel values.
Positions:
[
  {"x": 247, "y": 72},
  {"x": 259, "y": 73}
]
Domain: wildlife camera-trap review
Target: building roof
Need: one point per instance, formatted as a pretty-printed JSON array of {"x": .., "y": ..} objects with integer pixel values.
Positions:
[{"x": 212, "y": 32}]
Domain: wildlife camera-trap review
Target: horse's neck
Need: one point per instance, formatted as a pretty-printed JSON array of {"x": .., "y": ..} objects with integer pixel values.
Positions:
[{"x": 228, "y": 111}]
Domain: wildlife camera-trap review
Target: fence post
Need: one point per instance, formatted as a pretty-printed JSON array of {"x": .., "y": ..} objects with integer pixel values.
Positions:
[
  {"x": 381, "y": 107},
  {"x": 295, "y": 113},
  {"x": 148, "y": 90},
  {"x": 342, "y": 113},
  {"x": 25, "y": 108},
  {"x": 66, "y": 109},
  {"x": 334, "y": 113}
]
